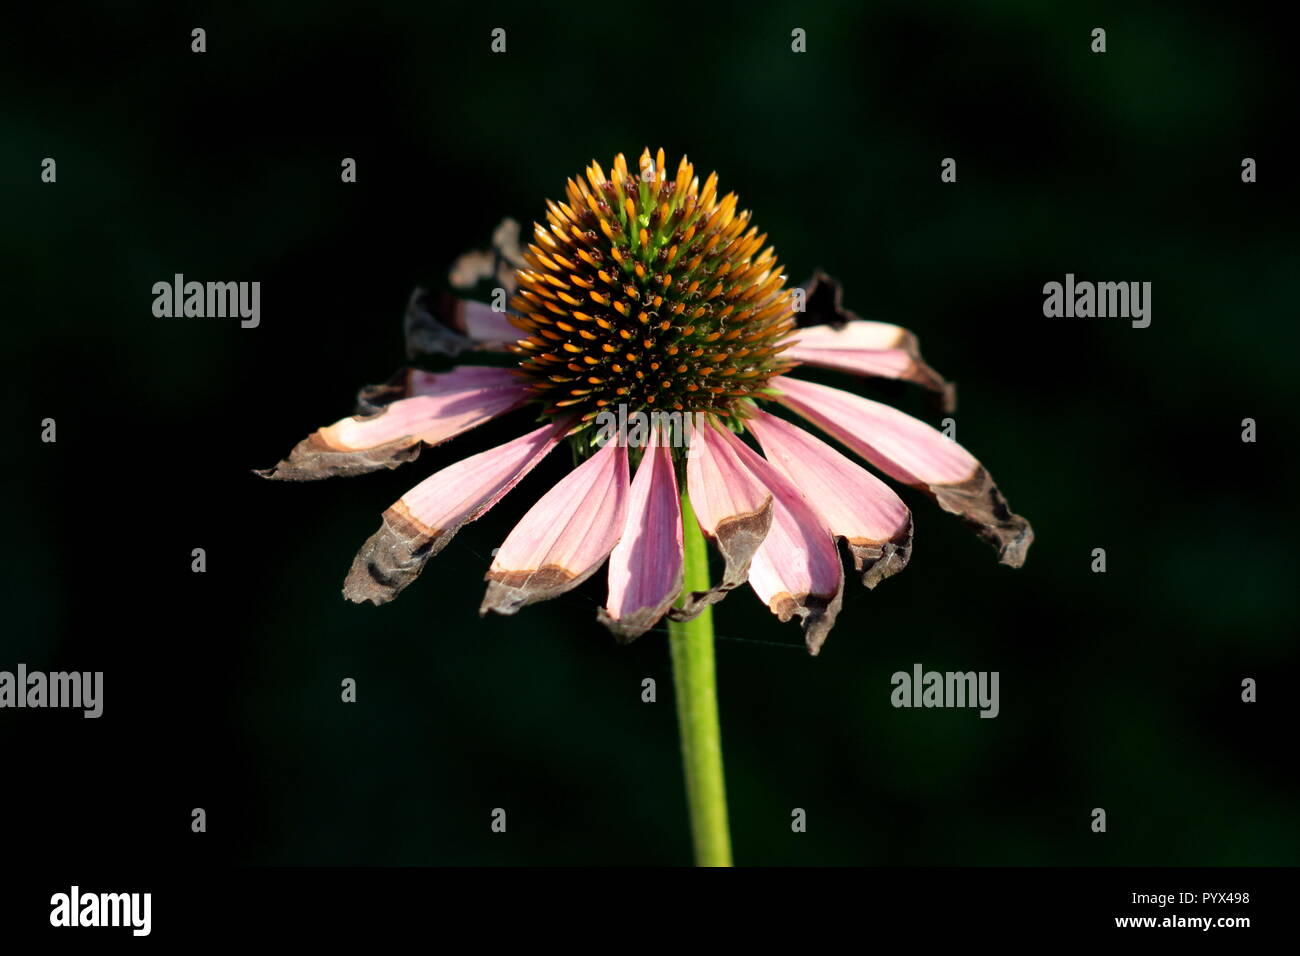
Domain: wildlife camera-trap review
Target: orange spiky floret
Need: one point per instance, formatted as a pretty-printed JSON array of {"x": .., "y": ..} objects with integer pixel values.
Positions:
[{"x": 649, "y": 291}]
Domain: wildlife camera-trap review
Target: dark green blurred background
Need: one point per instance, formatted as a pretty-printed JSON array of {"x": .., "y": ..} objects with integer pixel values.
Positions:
[{"x": 1118, "y": 690}]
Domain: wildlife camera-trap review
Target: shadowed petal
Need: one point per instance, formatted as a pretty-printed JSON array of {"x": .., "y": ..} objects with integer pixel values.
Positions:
[
  {"x": 443, "y": 406},
  {"x": 839, "y": 339},
  {"x": 645, "y": 567},
  {"x": 453, "y": 326},
  {"x": 460, "y": 379},
  {"x": 423, "y": 520},
  {"x": 733, "y": 507},
  {"x": 797, "y": 569},
  {"x": 914, "y": 453},
  {"x": 488, "y": 328},
  {"x": 564, "y": 537},
  {"x": 854, "y": 504}
]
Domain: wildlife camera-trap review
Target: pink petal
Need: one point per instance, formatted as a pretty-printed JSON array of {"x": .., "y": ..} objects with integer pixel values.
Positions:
[
  {"x": 837, "y": 338},
  {"x": 422, "y": 521},
  {"x": 488, "y": 329},
  {"x": 462, "y": 378},
  {"x": 443, "y": 405},
  {"x": 645, "y": 567},
  {"x": 869, "y": 348},
  {"x": 564, "y": 537},
  {"x": 859, "y": 335},
  {"x": 890, "y": 363},
  {"x": 733, "y": 508},
  {"x": 912, "y": 452},
  {"x": 854, "y": 504},
  {"x": 797, "y": 569}
]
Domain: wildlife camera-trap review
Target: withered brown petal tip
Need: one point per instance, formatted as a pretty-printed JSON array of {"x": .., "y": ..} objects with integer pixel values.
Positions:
[
  {"x": 823, "y": 302},
  {"x": 1014, "y": 549},
  {"x": 737, "y": 538},
  {"x": 980, "y": 504},
  {"x": 508, "y": 591},
  {"x": 949, "y": 400},
  {"x": 816, "y": 613},
  {"x": 881, "y": 560},
  {"x": 922, "y": 374},
  {"x": 629, "y": 628},
  {"x": 313, "y": 459},
  {"x": 391, "y": 559}
]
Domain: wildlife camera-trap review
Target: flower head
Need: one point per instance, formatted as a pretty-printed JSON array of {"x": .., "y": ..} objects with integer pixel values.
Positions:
[
  {"x": 645, "y": 293},
  {"x": 649, "y": 291}
]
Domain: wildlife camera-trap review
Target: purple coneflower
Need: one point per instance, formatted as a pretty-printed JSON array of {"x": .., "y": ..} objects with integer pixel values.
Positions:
[{"x": 644, "y": 294}]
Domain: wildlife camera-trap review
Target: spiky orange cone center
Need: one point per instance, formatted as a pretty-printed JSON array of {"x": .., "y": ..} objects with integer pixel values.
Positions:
[{"x": 649, "y": 292}]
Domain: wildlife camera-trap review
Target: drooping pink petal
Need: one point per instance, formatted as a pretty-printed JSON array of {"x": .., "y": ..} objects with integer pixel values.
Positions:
[
  {"x": 914, "y": 453},
  {"x": 733, "y": 508},
  {"x": 854, "y": 504},
  {"x": 899, "y": 357},
  {"x": 645, "y": 567},
  {"x": 422, "y": 521},
  {"x": 564, "y": 537},
  {"x": 442, "y": 406},
  {"x": 837, "y": 338},
  {"x": 413, "y": 382},
  {"x": 797, "y": 569}
]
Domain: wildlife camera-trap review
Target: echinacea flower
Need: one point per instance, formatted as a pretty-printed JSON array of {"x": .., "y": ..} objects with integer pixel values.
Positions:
[{"x": 647, "y": 292}]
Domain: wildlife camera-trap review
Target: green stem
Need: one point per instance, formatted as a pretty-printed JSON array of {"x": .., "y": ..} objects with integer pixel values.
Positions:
[{"x": 695, "y": 681}]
